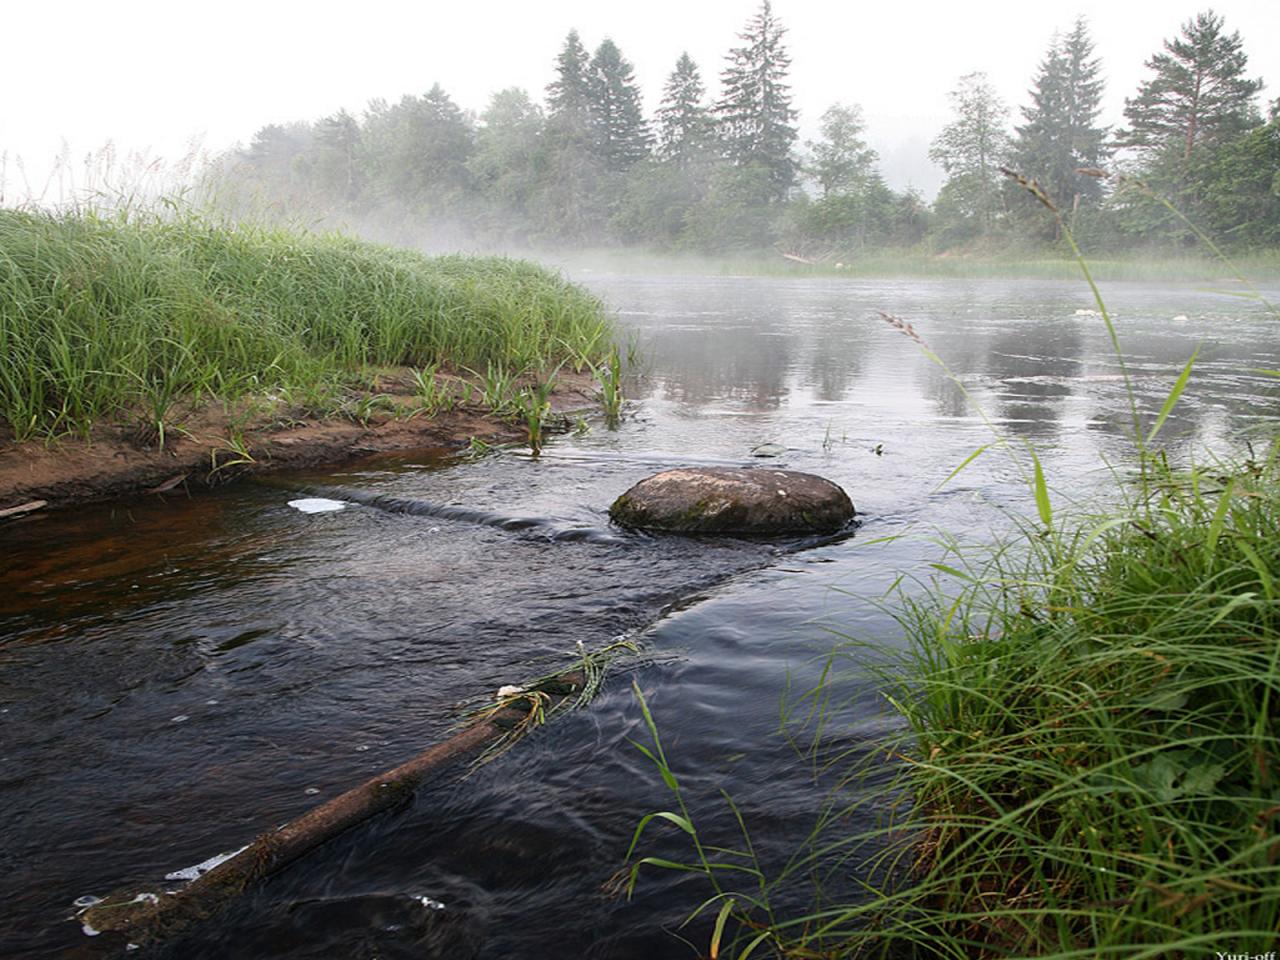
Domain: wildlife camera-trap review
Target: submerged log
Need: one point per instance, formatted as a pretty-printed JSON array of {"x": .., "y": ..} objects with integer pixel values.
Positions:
[
  {"x": 142, "y": 917},
  {"x": 23, "y": 508}
]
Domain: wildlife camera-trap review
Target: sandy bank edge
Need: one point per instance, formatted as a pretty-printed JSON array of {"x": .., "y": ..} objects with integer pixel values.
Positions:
[{"x": 112, "y": 464}]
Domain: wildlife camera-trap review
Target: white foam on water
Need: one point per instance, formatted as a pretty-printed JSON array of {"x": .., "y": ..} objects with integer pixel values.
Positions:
[
  {"x": 204, "y": 866},
  {"x": 317, "y": 505},
  {"x": 429, "y": 903}
]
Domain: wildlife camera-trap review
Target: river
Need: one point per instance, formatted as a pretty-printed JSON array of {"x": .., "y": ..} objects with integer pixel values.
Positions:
[{"x": 179, "y": 674}]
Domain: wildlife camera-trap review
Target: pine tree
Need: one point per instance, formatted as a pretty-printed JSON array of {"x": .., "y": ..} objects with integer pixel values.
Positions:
[
  {"x": 1061, "y": 134},
  {"x": 568, "y": 202},
  {"x": 755, "y": 112},
  {"x": 569, "y": 95},
  {"x": 1199, "y": 95},
  {"x": 684, "y": 122},
  {"x": 971, "y": 149},
  {"x": 620, "y": 136}
]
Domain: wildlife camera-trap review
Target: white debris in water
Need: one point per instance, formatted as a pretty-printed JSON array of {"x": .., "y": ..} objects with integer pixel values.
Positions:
[
  {"x": 130, "y": 947},
  {"x": 86, "y": 901},
  {"x": 510, "y": 690},
  {"x": 311, "y": 791},
  {"x": 429, "y": 903},
  {"x": 145, "y": 898},
  {"x": 180, "y": 718},
  {"x": 317, "y": 505},
  {"x": 1180, "y": 318},
  {"x": 211, "y": 703},
  {"x": 362, "y": 748},
  {"x": 434, "y": 530},
  {"x": 89, "y": 931},
  {"x": 204, "y": 866}
]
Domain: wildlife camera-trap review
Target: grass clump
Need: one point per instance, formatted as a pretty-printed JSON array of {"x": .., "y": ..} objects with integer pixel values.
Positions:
[
  {"x": 1096, "y": 755},
  {"x": 114, "y": 317}
]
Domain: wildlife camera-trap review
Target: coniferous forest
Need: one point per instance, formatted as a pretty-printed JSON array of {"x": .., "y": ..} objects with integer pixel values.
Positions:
[{"x": 720, "y": 165}]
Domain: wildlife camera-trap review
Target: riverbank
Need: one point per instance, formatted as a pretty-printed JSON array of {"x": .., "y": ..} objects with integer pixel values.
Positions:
[
  {"x": 1261, "y": 268},
  {"x": 1095, "y": 738},
  {"x": 213, "y": 445},
  {"x": 145, "y": 350}
]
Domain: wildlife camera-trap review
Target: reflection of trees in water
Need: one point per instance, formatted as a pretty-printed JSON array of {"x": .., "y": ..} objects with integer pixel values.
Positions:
[
  {"x": 747, "y": 365},
  {"x": 839, "y": 347},
  {"x": 1035, "y": 367}
]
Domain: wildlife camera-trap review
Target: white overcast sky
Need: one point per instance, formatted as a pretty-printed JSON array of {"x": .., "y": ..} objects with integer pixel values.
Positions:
[{"x": 151, "y": 76}]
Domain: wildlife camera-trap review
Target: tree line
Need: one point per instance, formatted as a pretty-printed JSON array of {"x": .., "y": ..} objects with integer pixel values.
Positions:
[{"x": 725, "y": 172}]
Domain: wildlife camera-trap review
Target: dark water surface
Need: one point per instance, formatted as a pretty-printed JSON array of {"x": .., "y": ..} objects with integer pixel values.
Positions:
[{"x": 178, "y": 675}]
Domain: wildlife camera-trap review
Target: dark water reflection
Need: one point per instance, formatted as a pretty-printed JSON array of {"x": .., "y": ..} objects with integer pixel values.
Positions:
[{"x": 178, "y": 675}]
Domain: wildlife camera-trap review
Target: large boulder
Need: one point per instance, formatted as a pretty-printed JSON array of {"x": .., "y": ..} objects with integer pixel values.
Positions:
[{"x": 733, "y": 500}]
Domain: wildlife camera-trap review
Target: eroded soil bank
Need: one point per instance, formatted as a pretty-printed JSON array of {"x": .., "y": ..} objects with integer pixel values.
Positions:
[{"x": 213, "y": 445}]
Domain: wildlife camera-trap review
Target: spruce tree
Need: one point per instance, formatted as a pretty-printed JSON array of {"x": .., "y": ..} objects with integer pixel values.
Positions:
[
  {"x": 684, "y": 122},
  {"x": 568, "y": 202},
  {"x": 1199, "y": 95},
  {"x": 755, "y": 111},
  {"x": 569, "y": 95},
  {"x": 1061, "y": 133},
  {"x": 620, "y": 135}
]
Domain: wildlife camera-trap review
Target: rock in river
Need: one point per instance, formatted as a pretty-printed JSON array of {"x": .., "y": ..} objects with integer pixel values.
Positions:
[{"x": 733, "y": 500}]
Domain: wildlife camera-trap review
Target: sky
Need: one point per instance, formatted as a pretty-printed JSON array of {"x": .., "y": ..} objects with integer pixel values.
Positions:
[{"x": 153, "y": 78}]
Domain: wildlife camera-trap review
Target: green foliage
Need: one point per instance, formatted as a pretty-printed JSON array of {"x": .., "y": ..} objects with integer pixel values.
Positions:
[
  {"x": 620, "y": 135},
  {"x": 1060, "y": 133},
  {"x": 841, "y": 162},
  {"x": 686, "y": 130},
  {"x": 1198, "y": 96},
  {"x": 971, "y": 149},
  {"x": 595, "y": 172},
  {"x": 755, "y": 113},
  {"x": 109, "y": 318}
]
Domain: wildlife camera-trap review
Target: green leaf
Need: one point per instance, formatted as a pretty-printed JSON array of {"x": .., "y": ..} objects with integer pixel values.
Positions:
[
  {"x": 1260, "y": 568},
  {"x": 1172, "y": 399},
  {"x": 1043, "y": 507},
  {"x": 1159, "y": 775},
  {"x": 1219, "y": 517},
  {"x": 967, "y": 460},
  {"x": 952, "y": 571},
  {"x": 721, "y": 917}
]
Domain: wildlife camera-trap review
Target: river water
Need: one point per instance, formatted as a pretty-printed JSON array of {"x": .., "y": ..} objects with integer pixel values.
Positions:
[{"x": 179, "y": 674}]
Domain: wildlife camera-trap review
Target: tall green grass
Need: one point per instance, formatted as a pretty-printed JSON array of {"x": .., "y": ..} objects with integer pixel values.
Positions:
[
  {"x": 113, "y": 316},
  {"x": 1090, "y": 765}
]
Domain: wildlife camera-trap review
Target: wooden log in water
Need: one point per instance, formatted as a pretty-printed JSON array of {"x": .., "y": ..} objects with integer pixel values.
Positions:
[
  {"x": 23, "y": 508},
  {"x": 142, "y": 917}
]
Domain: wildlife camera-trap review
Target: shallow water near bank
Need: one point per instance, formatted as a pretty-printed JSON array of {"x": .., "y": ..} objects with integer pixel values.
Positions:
[{"x": 179, "y": 674}]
